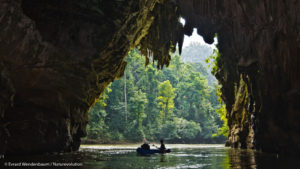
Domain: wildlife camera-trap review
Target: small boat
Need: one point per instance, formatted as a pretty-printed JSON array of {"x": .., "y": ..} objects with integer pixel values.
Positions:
[{"x": 151, "y": 151}]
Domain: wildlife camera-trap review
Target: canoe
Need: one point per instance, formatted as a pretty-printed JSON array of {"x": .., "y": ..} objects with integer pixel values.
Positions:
[{"x": 151, "y": 151}]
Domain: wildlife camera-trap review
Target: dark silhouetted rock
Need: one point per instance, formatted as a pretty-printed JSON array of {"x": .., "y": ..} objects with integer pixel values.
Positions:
[
  {"x": 57, "y": 57},
  {"x": 259, "y": 68}
]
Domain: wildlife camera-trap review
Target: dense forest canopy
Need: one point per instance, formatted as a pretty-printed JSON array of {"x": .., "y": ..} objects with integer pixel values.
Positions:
[{"x": 179, "y": 103}]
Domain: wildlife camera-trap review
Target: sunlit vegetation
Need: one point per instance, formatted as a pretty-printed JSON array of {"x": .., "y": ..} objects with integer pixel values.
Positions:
[
  {"x": 176, "y": 103},
  {"x": 214, "y": 64},
  {"x": 213, "y": 61}
]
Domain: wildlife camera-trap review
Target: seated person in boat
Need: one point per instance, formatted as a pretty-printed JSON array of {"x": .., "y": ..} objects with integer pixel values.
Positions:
[
  {"x": 162, "y": 145},
  {"x": 145, "y": 146}
]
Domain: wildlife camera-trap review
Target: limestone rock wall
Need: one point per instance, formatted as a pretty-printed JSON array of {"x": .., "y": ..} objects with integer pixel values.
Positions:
[
  {"x": 259, "y": 67},
  {"x": 56, "y": 58}
]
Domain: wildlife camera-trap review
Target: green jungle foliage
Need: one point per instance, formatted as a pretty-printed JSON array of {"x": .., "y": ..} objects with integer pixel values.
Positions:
[{"x": 175, "y": 104}]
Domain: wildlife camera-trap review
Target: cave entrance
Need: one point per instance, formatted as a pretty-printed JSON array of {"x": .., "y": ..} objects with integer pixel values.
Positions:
[{"x": 178, "y": 103}]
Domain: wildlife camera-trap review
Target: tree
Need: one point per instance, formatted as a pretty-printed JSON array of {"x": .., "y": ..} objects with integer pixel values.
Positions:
[
  {"x": 166, "y": 94},
  {"x": 151, "y": 121},
  {"x": 224, "y": 129},
  {"x": 137, "y": 115},
  {"x": 97, "y": 128},
  {"x": 177, "y": 103}
]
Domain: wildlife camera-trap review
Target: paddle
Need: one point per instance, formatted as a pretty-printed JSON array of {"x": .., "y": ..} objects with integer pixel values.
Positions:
[{"x": 155, "y": 146}]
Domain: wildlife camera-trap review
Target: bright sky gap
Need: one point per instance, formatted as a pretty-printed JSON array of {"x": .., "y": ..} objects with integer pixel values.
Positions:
[{"x": 195, "y": 38}]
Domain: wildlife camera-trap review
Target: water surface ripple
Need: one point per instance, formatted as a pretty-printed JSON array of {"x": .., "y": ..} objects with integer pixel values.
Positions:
[{"x": 182, "y": 156}]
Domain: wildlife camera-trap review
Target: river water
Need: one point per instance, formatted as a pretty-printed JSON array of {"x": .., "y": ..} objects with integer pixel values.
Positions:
[{"x": 182, "y": 156}]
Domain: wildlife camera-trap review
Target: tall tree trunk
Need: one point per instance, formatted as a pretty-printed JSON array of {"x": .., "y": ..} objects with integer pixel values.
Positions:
[{"x": 125, "y": 98}]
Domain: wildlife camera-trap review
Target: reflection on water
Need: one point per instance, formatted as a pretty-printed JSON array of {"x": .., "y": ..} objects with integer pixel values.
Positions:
[{"x": 182, "y": 156}]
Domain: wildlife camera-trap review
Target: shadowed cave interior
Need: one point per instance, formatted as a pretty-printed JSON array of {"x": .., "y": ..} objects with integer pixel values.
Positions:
[{"x": 57, "y": 57}]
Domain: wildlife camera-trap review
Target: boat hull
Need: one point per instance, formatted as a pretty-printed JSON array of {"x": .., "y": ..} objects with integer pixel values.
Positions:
[{"x": 151, "y": 151}]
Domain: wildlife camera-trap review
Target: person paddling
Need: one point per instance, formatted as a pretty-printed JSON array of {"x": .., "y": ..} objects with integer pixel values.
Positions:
[{"x": 162, "y": 145}]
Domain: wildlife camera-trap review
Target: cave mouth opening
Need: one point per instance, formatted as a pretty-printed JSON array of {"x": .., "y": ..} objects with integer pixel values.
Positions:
[
  {"x": 178, "y": 103},
  {"x": 51, "y": 71}
]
